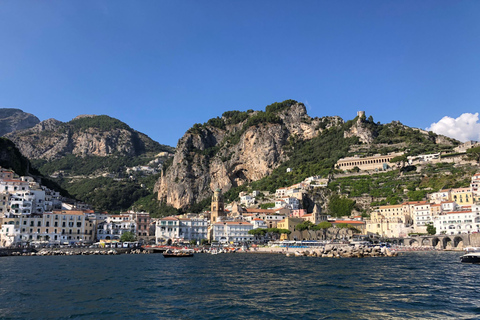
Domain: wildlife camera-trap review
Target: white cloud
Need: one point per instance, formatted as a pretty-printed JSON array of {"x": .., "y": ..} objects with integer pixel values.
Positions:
[{"x": 464, "y": 128}]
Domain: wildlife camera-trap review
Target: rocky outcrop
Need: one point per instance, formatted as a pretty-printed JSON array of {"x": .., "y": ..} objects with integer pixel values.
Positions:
[
  {"x": 15, "y": 119},
  {"x": 53, "y": 139},
  {"x": 358, "y": 129},
  {"x": 212, "y": 157}
]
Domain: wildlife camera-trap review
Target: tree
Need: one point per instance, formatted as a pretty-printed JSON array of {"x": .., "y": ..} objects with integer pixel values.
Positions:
[
  {"x": 305, "y": 225},
  {"x": 324, "y": 225},
  {"x": 339, "y": 206},
  {"x": 431, "y": 229},
  {"x": 401, "y": 160},
  {"x": 474, "y": 154},
  {"x": 128, "y": 237}
]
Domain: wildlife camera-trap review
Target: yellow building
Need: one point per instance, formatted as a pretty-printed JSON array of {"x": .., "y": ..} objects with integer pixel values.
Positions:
[
  {"x": 462, "y": 196},
  {"x": 368, "y": 163},
  {"x": 288, "y": 224}
]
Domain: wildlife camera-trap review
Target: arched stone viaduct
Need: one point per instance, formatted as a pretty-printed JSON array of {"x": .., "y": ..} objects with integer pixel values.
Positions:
[{"x": 444, "y": 241}]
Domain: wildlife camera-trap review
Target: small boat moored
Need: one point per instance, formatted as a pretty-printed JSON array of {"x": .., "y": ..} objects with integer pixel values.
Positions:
[
  {"x": 178, "y": 254},
  {"x": 473, "y": 257}
]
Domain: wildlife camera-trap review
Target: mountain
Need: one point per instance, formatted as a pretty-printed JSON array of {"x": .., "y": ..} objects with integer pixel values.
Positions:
[
  {"x": 15, "y": 119},
  {"x": 83, "y": 136},
  {"x": 11, "y": 158},
  {"x": 98, "y": 159},
  {"x": 256, "y": 147}
]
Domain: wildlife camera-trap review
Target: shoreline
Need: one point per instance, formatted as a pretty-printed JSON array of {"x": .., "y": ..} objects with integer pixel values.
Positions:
[{"x": 255, "y": 250}]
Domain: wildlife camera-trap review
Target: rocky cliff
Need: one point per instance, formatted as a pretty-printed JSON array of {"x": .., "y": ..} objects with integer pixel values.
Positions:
[
  {"x": 85, "y": 135},
  {"x": 238, "y": 148},
  {"x": 15, "y": 119}
]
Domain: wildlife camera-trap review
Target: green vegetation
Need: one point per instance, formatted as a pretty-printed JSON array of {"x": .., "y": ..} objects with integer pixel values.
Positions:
[
  {"x": 157, "y": 209},
  {"x": 102, "y": 122},
  {"x": 307, "y": 158},
  {"x": 88, "y": 165},
  {"x": 431, "y": 230},
  {"x": 235, "y": 116},
  {"x": 128, "y": 237},
  {"x": 272, "y": 233},
  {"x": 474, "y": 154},
  {"x": 306, "y": 225},
  {"x": 267, "y": 205},
  {"x": 277, "y": 107},
  {"x": 11, "y": 158},
  {"x": 106, "y": 194},
  {"x": 340, "y": 206},
  {"x": 324, "y": 225}
]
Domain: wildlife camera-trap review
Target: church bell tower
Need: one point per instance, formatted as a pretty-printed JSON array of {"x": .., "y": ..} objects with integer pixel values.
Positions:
[{"x": 217, "y": 209}]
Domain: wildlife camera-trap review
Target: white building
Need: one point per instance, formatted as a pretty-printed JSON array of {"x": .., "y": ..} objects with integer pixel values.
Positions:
[
  {"x": 259, "y": 223},
  {"x": 232, "y": 231},
  {"x": 421, "y": 216},
  {"x": 247, "y": 200},
  {"x": 288, "y": 202},
  {"x": 167, "y": 229},
  {"x": 457, "y": 222},
  {"x": 280, "y": 193},
  {"x": 438, "y": 197},
  {"x": 423, "y": 158},
  {"x": 49, "y": 227},
  {"x": 115, "y": 226},
  {"x": 193, "y": 229},
  {"x": 183, "y": 229}
]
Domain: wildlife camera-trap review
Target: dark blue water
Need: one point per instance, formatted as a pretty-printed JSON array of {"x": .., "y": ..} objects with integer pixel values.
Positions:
[{"x": 239, "y": 286}]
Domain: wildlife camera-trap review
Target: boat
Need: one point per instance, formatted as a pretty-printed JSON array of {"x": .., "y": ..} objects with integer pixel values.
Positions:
[
  {"x": 178, "y": 254},
  {"x": 473, "y": 257}
]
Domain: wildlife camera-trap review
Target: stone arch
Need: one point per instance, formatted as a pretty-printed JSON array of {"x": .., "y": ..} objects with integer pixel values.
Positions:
[
  {"x": 426, "y": 242},
  {"x": 436, "y": 242},
  {"x": 447, "y": 243},
  {"x": 458, "y": 242},
  {"x": 413, "y": 243}
]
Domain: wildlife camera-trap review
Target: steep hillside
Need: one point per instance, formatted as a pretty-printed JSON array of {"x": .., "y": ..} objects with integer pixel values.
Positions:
[
  {"x": 256, "y": 147},
  {"x": 15, "y": 119},
  {"x": 11, "y": 158},
  {"x": 98, "y": 159},
  {"x": 83, "y": 136},
  {"x": 236, "y": 149}
]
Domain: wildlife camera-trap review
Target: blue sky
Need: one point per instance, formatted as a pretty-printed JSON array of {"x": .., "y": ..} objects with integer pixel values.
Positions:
[{"x": 161, "y": 66}]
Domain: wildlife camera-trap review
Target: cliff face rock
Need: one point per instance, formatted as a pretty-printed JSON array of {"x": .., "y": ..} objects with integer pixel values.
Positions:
[
  {"x": 15, "y": 119},
  {"x": 94, "y": 135},
  {"x": 228, "y": 156},
  {"x": 358, "y": 129}
]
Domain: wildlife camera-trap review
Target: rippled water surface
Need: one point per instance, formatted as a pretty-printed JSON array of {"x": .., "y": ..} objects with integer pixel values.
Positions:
[{"x": 239, "y": 286}]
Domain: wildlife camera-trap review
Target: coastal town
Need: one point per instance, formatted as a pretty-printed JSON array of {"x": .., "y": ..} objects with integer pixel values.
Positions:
[{"x": 32, "y": 214}]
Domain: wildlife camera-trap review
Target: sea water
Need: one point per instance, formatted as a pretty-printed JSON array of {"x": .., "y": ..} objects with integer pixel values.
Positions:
[{"x": 421, "y": 285}]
